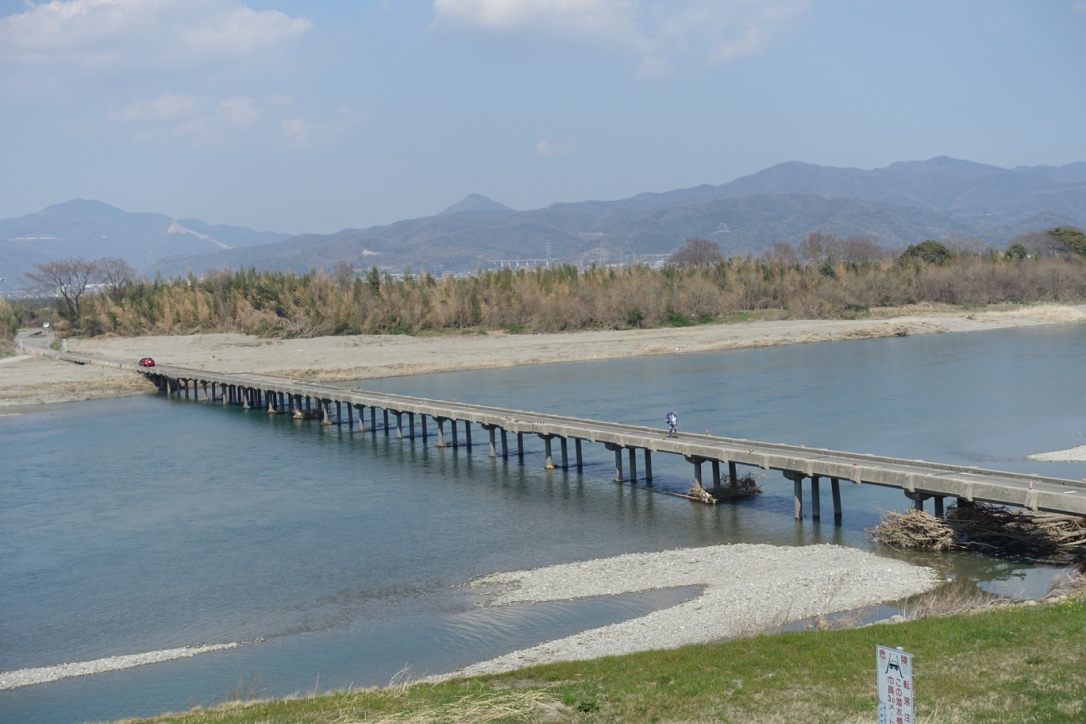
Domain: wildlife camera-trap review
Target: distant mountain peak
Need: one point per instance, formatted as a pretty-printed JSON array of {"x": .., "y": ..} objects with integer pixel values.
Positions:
[{"x": 475, "y": 204}]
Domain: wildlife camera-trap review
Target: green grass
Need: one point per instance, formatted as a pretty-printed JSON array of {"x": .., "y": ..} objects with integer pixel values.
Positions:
[{"x": 1024, "y": 663}]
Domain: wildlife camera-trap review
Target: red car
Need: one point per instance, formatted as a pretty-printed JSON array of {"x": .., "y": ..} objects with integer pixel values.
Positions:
[{"x": 147, "y": 362}]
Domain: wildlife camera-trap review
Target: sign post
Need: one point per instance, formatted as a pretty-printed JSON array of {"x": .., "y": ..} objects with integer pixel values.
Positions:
[{"x": 894, "y": 673}]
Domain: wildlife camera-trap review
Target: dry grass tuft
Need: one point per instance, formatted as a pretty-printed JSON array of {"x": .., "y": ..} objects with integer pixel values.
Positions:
[{"x": 504, "y": 705}]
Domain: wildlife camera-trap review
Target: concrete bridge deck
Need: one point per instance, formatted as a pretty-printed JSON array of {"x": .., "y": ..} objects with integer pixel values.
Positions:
[{"x": 918, "y": 479}]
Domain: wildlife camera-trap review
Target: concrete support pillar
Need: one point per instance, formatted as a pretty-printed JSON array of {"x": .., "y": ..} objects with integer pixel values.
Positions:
[
  {"x": 547, "y": 448},
  {"x": 797, "y": 494},
  {"x": 816, "y": 503},
  {"x": 455, "y": 434},
  {"x": 697, "y": 472},
  {"x": 324, "y": 412},
  {"x": 399, "y": 424},
  {"x": 467, "y": 434},
  {"x": 632, "y": 452},
  {"x": 577, "y": 452},
  {"x": 440, "y": 431},
  {"x": 565, "y": 453},
  {"x": 716, "y": 473},
  {"x": 939, "y": 512},
  {"x": 385, "y": 411},
  {"x": 339, "y": 412},
  {"x": 245, "y": 398},
  {"x": 425, "y": 432},
  {"x": 411, "y": 424},
  {"x": 350, "y": 416},
  {"x": 648, "y": 465},
  {"x": 505, "y": 444},
  {"x": 618, "y": 462},
  {"x": 520, "y": 446},
  {"x": 492, "y": 430},
  {"x": 835, "y": 490},
  {"x": 373, "y": 420},
  {"x": 733, "y": 474}
]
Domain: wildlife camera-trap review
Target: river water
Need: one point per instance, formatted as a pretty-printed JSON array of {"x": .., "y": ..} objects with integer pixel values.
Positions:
[{"x": 339, "y": 558}]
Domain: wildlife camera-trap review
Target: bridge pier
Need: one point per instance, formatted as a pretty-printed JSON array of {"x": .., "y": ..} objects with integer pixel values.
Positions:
[
  {"x": 548, "y": 458},
  {"x": 618, "y": 461},
  {"x": 835, "y": 489},
  {"x": 632, "y": 452},
  {"x": 797, "y": 492}
]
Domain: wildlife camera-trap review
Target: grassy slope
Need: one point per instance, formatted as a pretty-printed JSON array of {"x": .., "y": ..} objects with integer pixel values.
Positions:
[{"x": 1012, "y": 664}]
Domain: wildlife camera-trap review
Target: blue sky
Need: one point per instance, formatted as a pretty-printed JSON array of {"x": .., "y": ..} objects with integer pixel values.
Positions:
[{"x": 317, "y": 116}]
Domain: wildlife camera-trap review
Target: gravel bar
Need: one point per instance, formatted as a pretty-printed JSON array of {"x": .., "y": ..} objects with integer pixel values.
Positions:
[
  {"x": 44, "y": 674},
  {"x": 748, "y": 588}
]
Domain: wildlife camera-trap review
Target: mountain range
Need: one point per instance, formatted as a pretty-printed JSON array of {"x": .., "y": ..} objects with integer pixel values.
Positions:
[{"x": 905, "y": 203}]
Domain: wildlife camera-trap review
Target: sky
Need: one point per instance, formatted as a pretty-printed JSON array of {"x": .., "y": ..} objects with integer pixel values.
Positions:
[{"x": 311, "y": 117}]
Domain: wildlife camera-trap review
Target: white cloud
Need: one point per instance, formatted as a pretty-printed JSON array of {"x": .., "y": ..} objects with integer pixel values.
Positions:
[
  {"x": 653, "y": 67},
  {"x": 166, "y": 107},
  {"x": 238, "y": 111},
  {"x": 172, "y": 119},
  {"x": 67, "y": 41},
  {"x": 552, "y": 148},
  {"x": 716, "y": 30},
  {"x": 297, "y": 132}
]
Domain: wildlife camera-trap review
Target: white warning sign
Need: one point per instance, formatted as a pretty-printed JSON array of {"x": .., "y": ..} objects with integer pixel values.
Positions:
[{"x": 895, "y": 680}]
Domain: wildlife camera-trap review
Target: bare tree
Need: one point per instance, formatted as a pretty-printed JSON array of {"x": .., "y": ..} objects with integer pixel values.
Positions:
[
  {"x": 1040, "y": 243},
  {"x": 116, "y": 276},
  {"x": 782, "y": 254},
  {"x": 696, "y": 252},
  {"x": 818, "y": 247},
  {"x": 68, "y": 279},
  {"x": 860, "y": 250}
]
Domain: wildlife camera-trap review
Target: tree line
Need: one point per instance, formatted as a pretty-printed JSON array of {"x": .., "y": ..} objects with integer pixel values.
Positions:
[{"x": 825, "y": 277}]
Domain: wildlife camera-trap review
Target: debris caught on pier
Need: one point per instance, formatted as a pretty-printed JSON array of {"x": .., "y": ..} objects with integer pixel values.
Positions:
[
  {"x": 1035, "y": 537},
  {"x": 745, "y": 487}
]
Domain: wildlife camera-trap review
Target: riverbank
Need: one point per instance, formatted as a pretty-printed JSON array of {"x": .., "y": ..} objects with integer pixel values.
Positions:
[
  {"x": 33, "y": 380},
  {"x": 747, "y": 589}
]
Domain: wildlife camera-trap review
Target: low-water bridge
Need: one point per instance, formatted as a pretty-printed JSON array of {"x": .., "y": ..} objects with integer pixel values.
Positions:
[{"x": 919, "y": 480}]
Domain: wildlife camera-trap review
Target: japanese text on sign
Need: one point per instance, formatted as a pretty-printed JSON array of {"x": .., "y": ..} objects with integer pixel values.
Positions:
[{"x": 895, "y": 683}]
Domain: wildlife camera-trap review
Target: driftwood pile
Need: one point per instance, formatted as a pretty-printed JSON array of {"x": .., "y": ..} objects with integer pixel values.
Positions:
[
  {"x": 1024, "y": 535},
  {"x": 745, "y": 487}
]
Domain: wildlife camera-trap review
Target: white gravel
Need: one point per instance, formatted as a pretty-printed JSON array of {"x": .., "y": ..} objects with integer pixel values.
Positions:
[
  {"x": 44, "y": 674},
  {"x": 1074, "y": 455},
  {"x": 748, "y": 588}
]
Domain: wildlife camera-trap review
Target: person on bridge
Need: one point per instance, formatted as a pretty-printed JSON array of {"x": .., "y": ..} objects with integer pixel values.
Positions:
[{"x": 672, "y": 421}]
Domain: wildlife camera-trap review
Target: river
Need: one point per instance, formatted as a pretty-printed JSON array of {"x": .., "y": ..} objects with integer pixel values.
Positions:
[{"x": 338, "y": 558}]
